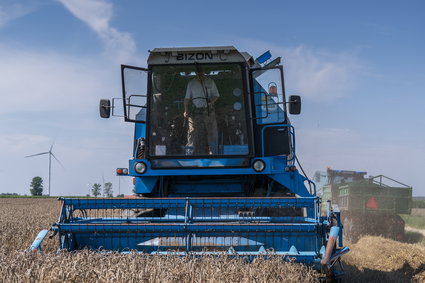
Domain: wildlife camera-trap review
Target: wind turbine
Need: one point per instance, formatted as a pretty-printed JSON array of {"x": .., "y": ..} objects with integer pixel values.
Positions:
[{"x": 50, "y": 153}]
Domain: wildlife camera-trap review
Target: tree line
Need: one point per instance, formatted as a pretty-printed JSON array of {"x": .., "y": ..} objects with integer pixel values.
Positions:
[{"x": 36, "y": 188}]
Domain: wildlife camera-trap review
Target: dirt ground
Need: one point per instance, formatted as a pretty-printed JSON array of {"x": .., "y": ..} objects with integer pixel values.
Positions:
[{"x": 415, "y": 230}]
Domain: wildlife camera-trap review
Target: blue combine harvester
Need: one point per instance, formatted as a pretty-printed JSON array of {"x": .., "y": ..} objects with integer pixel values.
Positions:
[{"x": 214, "y": 166}]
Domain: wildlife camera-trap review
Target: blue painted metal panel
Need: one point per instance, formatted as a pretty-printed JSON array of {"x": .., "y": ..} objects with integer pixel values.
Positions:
[
  {"x": 166, "y": 228},
  {"x": 294, "y": 181},
  {"x": 216, "y": 187},
  {"x": 36, "y": 245},
  {"x": 274, "y": 168},
  {"x": 181, "y": 218},
  {"x": 120, "y": 203},
  {"x": 219, "y": 170},
  {"x": 140, "y": 130},
  {"x": 246, "y": 226},
  {"x": 264, "y": 57},
  {"x": 146, "y": 184}
]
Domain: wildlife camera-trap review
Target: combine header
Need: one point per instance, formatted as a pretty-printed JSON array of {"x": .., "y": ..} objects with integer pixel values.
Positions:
[{"x": 213, "y": 166}]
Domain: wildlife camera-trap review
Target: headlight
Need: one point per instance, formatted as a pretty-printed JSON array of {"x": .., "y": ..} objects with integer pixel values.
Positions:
[
  {"x": 259, "y": 165},
  {"x": 140, "y": 167}
]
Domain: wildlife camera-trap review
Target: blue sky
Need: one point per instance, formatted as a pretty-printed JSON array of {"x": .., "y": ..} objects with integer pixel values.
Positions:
[{"x": 358, "y": 65}]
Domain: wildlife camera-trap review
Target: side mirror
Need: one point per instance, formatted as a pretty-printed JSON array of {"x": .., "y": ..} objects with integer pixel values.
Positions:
[
  {"x": 295, "y": 104},
  {"x": 105, "y": 108}
]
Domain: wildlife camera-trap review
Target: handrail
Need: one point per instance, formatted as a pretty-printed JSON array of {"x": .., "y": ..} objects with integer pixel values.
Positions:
[{"x": 385, "y": 177}]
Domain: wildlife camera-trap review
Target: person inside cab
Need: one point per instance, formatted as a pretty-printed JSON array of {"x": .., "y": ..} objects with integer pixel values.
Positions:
[{"x": 201, "y": 95}]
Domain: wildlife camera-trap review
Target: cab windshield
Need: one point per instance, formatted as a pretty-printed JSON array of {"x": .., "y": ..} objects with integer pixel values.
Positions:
[{"x": 197, "y": 110}]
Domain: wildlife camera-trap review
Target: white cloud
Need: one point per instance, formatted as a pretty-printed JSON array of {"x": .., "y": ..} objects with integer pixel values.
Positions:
[
  {"x": 36, "y": 86},
  {"x": 14, "y": 143},
  {"x": 347, "y": 149},
  {"x": 320, "y": 76},
  {"x": 10, "y": 12},
  {"x": 313, "y": 74},
  {"x": 49, "y": 84},
  {"x": 82, "y": 160},
  {"x": 33, "y": 81},
  {"x": 97, "y": 14},
  {"x": 323, "y": 147}
]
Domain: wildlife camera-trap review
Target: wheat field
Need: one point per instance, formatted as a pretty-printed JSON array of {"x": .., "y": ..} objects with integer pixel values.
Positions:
[{"x": 372, "y": 259}]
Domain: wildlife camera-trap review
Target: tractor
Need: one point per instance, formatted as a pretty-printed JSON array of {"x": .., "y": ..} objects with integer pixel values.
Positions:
[{"x": 368, "y": 205}]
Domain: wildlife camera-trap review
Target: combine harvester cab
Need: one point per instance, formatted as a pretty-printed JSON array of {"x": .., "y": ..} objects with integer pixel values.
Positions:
[{"x": 213, "y": 166}]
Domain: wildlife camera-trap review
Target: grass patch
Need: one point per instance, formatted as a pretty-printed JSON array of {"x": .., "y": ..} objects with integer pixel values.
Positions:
[{"x": 414, "y": 221}]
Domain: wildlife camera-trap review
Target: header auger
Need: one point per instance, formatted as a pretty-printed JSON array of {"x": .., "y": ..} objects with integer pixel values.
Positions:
[{"x": 213, "y": 165}]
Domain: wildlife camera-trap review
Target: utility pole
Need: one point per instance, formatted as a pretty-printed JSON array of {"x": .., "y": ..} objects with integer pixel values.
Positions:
[{"x": 119, "y": 185}]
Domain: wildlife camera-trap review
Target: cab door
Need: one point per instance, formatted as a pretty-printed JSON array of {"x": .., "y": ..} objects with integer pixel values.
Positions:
[
  {"x": 134, "y": 88},
  {"x": 268, "y": 99}
]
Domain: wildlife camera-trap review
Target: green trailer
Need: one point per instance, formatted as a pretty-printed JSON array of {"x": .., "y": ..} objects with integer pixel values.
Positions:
[{"x": 367, "y": 205}]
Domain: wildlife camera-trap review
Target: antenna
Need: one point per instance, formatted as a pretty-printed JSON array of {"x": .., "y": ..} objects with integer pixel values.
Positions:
[{"x": 50, "y": 153}]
